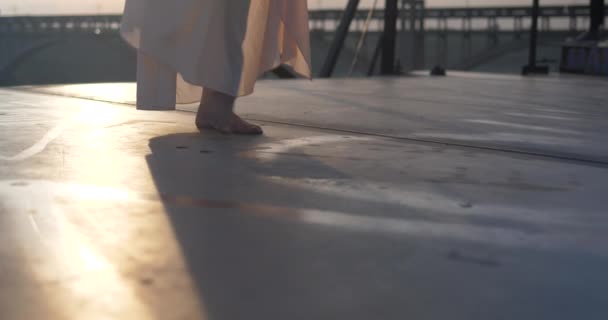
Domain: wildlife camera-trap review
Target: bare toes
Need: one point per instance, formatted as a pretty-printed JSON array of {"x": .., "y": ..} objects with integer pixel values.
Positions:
[
  {"x": 236, "y": 125},
  {"x": 241, "y": 126}
]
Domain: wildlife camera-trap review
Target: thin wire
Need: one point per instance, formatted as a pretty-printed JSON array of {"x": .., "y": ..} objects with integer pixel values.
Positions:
[{"x": 368, "y": 20}]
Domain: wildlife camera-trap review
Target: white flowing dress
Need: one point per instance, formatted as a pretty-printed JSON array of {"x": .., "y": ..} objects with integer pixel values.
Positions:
[{"x": 225, "y": 45}]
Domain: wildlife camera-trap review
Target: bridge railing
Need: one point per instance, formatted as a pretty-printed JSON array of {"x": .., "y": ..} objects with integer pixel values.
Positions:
[
  {"x": 325, "y": 20},
  {"x": 474, "y": 12},
  {"x": 60, "y": 24},
  {"x": 457, "y": 19}
]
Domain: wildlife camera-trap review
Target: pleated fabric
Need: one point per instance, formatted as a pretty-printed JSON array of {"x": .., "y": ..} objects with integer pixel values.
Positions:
[{"x": 224, "y": 45}]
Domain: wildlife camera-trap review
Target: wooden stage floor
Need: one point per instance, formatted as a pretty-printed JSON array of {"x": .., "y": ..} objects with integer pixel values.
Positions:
[{"x": 465, "y": 197}]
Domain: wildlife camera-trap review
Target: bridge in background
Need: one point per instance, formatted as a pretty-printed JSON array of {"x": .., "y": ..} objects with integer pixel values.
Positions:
[
  {"x": 22, "y": 37},
  {"x": 328, "y": 19}
]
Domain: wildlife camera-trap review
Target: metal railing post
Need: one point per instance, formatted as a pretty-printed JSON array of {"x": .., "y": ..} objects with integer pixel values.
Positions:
[
  {"x": 391, "y": 13},
  {"x": 532, "y": 68},
  {"x": 338, "y": 42}
]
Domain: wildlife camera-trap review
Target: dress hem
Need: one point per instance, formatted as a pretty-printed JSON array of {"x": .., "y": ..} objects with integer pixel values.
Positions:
[{"x": 307, "y": 75}]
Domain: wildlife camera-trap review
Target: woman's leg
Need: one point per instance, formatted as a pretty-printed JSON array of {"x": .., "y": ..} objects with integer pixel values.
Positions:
[{"x": 216, "y": 111}]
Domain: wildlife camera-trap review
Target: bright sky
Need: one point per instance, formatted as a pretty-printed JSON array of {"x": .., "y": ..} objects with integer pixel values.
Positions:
[{"x": 11, "y": 7}]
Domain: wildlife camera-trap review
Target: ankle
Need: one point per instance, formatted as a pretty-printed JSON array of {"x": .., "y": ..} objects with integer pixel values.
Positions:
[
  {"x": 218, "y": 99},
  {"x": 215, "y": 102}
]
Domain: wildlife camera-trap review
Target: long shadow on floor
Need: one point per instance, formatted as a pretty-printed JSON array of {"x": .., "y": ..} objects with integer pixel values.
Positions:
[{"x": 247, "y": 250}]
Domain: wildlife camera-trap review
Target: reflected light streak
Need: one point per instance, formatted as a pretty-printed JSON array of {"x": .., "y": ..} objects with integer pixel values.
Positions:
[
  {"x": 428, "y": 202},
  {"x": 92, "y": 261},
  {"x": 507, "y": 237},
  {"x": 524, "y": 126},
  {"x": 273, "y": 150},
  {"x": 63, "y": 251},
  {"x": 95, "y": 115},
  {"x": 87, "y": 115},
  {"x": 502, "y": 137}
]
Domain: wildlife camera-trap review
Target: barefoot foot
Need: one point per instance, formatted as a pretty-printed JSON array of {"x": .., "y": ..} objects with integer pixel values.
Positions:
[{"x": 231, "y": 124}]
